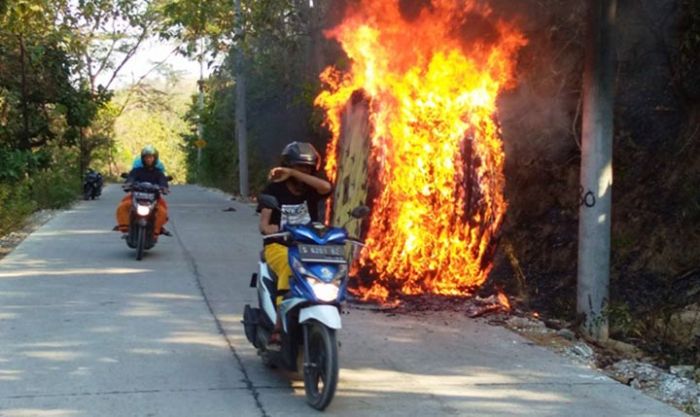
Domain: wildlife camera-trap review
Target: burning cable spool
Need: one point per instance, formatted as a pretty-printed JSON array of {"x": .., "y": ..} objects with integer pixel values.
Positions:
[{"x": 427, "y": 74}]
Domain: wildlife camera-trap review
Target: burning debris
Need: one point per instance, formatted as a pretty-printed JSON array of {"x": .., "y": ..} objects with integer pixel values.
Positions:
[
  {"x": 430, "y": 72},
  {"x": 497, "y": 303},
  {"x": 472, "y": 306}
]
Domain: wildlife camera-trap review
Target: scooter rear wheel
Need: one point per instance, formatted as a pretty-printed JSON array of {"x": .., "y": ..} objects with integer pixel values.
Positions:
[{"x": 321, "y": 365}]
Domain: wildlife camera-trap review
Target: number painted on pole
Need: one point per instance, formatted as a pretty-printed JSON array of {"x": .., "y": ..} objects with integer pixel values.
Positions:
[{"x": 586, "y": 198}]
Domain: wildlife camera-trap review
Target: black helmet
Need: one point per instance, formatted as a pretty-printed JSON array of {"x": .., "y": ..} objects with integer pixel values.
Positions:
[
  {"x": 301, "y": 153},
  {"x": 149, "y": 150}
]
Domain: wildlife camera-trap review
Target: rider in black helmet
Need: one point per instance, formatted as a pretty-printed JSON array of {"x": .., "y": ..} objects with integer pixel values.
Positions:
[
  {"x": 301, "y": 154},
  {"x": 298, "y": 190}
]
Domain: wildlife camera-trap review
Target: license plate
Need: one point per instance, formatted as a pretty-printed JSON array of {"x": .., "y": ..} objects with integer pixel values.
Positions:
[
  {"x": 144, "y": 196},
  {"x": 317, "y": 253}
]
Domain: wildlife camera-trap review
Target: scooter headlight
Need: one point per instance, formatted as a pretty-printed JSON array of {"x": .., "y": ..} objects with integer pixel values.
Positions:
[
  {"x": 143, "y": 210},
  {"x": 324, "y": 291}
]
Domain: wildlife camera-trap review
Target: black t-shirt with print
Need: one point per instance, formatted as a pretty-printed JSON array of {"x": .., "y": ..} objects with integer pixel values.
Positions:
[{"x": 298, "y": 209}]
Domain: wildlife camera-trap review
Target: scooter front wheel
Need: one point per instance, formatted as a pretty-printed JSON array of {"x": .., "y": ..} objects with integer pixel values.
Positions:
[
  {"x": 140, "y": 242},
  {"x": 320, "y": 365}
]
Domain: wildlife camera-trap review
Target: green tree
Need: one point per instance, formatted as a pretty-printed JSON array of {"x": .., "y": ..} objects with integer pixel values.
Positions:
[
  {"x": 281, "y": 41},
  {"x": 152, "y": 113},
  {"x": 107, "y": 34},
  {"x": 54, "y": 114},
  {"x": 35, "y": 76},
  {"x": 191, "y": 22}
]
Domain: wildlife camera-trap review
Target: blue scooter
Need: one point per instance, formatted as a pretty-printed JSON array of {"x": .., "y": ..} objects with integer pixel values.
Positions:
[{"x": 310, "y": 312}]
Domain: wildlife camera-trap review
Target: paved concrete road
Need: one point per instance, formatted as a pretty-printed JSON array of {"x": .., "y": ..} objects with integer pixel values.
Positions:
[{"x": 85, "y": 330}]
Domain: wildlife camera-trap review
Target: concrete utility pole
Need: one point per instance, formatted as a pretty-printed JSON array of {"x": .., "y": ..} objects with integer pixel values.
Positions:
[
  {"x": 241, "y": 122},
  {"x": 596, "y": 169}
]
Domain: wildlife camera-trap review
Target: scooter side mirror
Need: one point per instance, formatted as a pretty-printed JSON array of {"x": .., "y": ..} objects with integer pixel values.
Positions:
[
  {"x": 124, "y": 175},
  {"x": 268, "y": 201},
  {"x": 360, "y": 212}
]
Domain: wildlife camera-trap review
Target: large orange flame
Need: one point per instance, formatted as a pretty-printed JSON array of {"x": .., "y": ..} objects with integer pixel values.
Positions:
[{"x": 432, "y": 71}]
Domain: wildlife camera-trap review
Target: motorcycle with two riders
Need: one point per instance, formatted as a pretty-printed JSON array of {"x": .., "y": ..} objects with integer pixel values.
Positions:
[{"x": 144, "y": 203}]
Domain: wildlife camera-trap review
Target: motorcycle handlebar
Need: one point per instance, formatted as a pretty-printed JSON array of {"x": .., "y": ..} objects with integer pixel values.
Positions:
[
  {"x": 354, "y": 241},
  {"x": 130, "y": 187}
]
